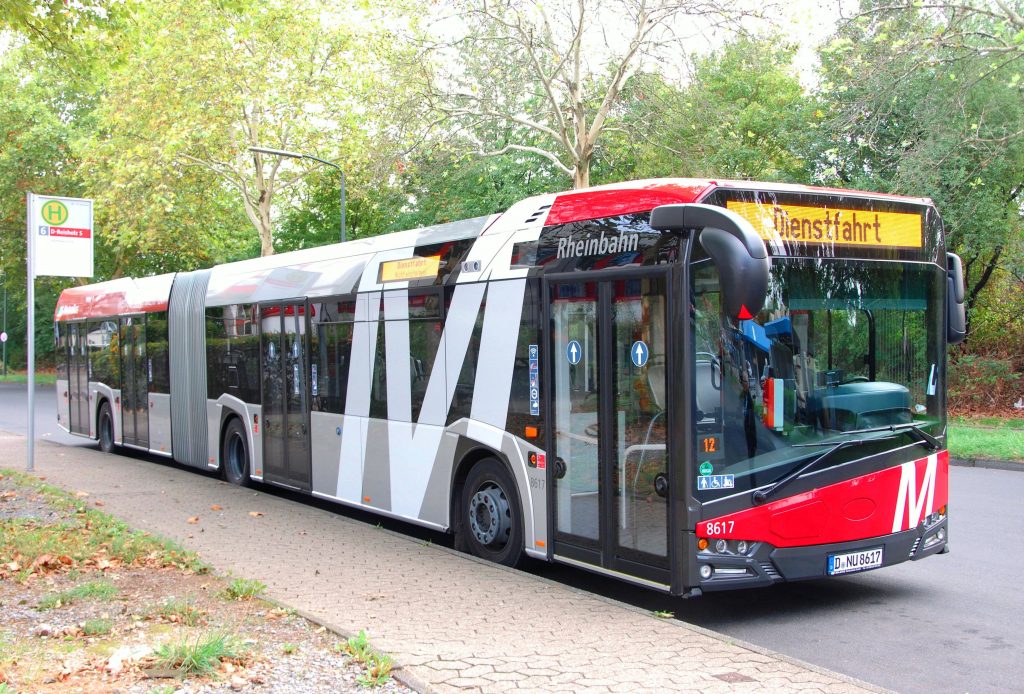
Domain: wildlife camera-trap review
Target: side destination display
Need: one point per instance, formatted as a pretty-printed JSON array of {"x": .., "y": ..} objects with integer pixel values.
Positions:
[
  {"x": 410, "y": 269},
  {"x": 830, "y": 225}
]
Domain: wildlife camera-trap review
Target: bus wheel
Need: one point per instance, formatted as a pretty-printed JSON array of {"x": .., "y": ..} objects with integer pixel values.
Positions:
[
  {"x": 492, "y": 524},
  {"x": 105, "y": 425},
  {"x": 235, "y": 454}
]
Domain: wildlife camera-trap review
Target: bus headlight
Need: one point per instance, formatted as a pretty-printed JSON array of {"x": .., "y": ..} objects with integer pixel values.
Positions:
[{"x": 741, "y": 547}]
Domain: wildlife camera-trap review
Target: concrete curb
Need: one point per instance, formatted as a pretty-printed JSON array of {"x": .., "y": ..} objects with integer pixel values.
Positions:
[{"x": 986, "y": 463}]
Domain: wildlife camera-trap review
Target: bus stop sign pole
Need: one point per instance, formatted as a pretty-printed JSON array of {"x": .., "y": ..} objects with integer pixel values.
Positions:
[{"x": 58, "y": 242}]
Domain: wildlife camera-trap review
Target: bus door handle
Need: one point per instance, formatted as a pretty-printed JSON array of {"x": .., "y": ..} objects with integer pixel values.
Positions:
[{"x": 560, "y": 468}]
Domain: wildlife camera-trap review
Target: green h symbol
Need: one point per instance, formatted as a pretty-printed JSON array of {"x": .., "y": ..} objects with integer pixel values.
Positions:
[{"x": 55, "y": 212}]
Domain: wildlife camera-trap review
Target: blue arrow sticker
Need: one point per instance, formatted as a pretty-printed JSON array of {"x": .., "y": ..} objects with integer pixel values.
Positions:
[
  {"x": 573, "y": 352},
  {"x": 639, "y": 353}
]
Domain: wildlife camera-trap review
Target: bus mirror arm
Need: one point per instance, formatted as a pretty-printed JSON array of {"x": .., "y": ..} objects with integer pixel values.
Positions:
[
  {"x": 956, "y": 311},
  {"x": 735, "y": 247}
]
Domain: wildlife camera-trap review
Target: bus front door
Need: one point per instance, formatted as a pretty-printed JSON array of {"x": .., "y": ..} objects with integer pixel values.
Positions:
[
  {"x": 286, "y": 448},
  {"x": 610, "y": 433}
]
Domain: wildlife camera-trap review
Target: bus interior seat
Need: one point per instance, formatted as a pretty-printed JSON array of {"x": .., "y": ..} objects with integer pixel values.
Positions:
[{"x": 708, "y": 382}]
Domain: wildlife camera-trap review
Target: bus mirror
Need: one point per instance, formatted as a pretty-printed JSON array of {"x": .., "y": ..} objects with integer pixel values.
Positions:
[
  {"x": 736, "y": 249},
  {"x": 956, "y": 312}
]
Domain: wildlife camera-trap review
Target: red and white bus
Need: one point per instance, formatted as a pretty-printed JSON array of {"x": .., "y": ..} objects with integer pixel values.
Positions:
[{"x": 691, "y": 385}]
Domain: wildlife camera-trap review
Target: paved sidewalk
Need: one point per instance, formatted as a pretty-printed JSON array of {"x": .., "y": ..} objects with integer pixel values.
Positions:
[{"x": 452, "y": 623}]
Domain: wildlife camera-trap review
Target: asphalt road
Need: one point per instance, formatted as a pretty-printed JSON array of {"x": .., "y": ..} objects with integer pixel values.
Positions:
[{"x": 945, "y": 624}]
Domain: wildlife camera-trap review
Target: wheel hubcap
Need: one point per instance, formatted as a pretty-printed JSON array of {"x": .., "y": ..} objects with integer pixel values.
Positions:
[{"x": 489, "y": 516}]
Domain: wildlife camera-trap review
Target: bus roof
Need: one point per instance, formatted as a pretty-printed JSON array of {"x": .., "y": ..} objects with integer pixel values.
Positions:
[
  {"x": 637, "y": 196},
  {"x": 125, "y": 295},
  {"x": 319, "y": 270}
]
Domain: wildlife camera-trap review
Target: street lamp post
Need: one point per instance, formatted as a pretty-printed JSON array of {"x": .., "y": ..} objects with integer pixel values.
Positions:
[{"x": 299, "y": 155}]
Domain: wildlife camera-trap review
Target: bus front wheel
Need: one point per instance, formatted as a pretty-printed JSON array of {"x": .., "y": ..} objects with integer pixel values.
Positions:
[
  {"x": 491, "y": 525},
  {"x": 235, "y": 454},
  {"x": 105, "y": 426}
]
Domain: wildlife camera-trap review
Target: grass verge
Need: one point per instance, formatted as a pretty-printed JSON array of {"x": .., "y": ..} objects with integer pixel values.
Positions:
[
  {"x": 42, "y": 379},
  {"x": 89, "y": 539},
  {"x": 1000, "y": 442}
]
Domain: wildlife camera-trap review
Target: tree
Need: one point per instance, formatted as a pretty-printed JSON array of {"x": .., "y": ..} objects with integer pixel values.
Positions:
[
  {"x": 742, "y": 115},
  {"x": 931, "y": 119},
  {"x": 552, "y": 72},
  {"x": 198, "y": 88}
]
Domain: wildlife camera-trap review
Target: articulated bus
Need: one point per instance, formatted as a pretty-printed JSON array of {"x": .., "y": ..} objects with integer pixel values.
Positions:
[{"x": 690, "y": 385}]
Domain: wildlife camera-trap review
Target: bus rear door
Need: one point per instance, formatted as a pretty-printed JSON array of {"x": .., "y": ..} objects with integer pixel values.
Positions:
[{"x": 286, "y": 452}]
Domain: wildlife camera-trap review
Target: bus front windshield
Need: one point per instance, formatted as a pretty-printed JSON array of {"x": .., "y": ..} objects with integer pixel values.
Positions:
[{"x": 840, "y": 346}]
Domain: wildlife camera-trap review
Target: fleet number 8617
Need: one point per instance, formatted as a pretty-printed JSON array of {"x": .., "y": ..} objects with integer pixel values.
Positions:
[{"x": 719, "y": 527}]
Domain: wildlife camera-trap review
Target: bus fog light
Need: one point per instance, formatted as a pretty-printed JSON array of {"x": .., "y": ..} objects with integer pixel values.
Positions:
[
  {"x": 941, "y": 534},
  {"x": 705, "y": 571},
  {"x": 741, "y": 547},
  {"x": 721, "y": 546}
]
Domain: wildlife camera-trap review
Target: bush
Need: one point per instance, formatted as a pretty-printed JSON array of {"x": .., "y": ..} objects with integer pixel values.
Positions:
[{"x": 984, "y": 384}]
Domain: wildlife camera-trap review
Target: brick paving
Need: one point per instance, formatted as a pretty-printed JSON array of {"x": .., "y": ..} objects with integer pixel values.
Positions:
[{"x": 451, "y": 622}]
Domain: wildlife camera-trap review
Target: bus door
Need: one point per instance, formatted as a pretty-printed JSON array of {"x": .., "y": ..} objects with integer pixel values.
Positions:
[
  {"x": 134, "y": 382},
  {"x": 610, "y": 423},
  {"x": 286, "y": 451},
  {"x": 78, "y": 378}
]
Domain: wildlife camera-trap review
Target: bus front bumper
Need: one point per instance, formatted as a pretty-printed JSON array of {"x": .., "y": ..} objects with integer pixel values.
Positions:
[{"x": 766, "y": 565}]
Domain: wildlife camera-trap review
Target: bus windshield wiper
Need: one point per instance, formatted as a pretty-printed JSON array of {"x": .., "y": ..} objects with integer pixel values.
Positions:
[
  {"x": 761, "y": 495},
  {"x": 917, "y": 432}
]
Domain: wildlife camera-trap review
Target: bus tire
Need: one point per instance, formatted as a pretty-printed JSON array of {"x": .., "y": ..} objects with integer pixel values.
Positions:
[
  {"x": 492, "y": 521},
  {"x": 105, "y": 427},
  {"x": 234, "y": 454}
]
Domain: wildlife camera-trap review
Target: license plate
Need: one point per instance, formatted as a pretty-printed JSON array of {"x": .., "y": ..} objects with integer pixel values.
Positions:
[{"x": 854, "y": 561}]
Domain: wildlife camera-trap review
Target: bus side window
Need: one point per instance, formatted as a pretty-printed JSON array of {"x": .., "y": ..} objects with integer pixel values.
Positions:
[{"x": 331, "y": 347}]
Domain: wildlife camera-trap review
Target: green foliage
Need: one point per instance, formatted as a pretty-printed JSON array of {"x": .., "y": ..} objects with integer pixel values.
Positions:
[
  {"x": 201, "y": 656},
  {"x": 378, "y": 670},
  {"x": 92, "y": 590},
  {"x": 97, "y": 627},
  {"x": 927, "y": 117},
  {"x": 993, "y": 443},
  {"x": 243, "y": 589},
  {"x": 743, "y": 115},
  {"x": 181, "y": 611},
  {"x": 983, "y": 383},
  {"x": 377, "y": 666},
  {"x": 92, "y": 534}
]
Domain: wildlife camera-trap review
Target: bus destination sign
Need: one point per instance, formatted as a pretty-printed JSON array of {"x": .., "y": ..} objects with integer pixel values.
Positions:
[
  {"x": 410, "y": 269},
  {"x": 831, "y": 225}
]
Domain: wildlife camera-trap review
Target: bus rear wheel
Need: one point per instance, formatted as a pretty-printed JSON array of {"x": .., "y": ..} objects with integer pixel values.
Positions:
[
  {"x": 492, "y": 524},
  {"x": 235, "y": 454},
  {"x": 105, "y": 427}
]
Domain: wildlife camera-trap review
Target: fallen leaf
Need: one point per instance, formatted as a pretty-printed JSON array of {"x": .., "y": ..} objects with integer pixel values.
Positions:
[
  {"x": 81, "y": 495},
  {"x": 193, "y": 520},
  {"x": 255, "y": 514},
  {"x": 216, "y": 507},
  {"x": 66, "y": 560},
  {"x": 100, "y": 503}
]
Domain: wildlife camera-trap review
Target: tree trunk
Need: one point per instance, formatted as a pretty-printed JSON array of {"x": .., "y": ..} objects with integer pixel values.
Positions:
[
  {"x": 581, "y": 174},
  {"x": 266, "y": 227}
]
